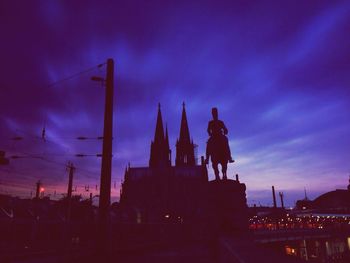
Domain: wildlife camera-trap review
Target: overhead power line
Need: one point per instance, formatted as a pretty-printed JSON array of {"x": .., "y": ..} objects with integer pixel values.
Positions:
[
  {"x": 75, "y": 75},
  {"x": 80, "y": 138}
]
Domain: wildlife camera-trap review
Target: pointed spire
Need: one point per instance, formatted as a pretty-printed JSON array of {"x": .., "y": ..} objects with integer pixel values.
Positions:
[
  {"x": 184, "y": 146},
  {"x": 159, "y": 147},
  {"x": 184, "y": 131},
  {"x": 159, "y": 134},
  {"x": 167, "y": 144},
  {"x": 166, "y": 136}
]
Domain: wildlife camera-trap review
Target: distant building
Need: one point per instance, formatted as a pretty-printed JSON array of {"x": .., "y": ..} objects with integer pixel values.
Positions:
[
  {"x": 162, "y": 192},
  {"x": 337, "y": 201}
]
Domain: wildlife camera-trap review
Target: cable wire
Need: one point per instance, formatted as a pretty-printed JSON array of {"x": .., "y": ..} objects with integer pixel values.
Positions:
[{"x": 75, "y": 75}]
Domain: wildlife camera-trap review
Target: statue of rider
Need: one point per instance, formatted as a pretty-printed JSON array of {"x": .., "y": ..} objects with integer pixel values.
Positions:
[{"x": 217, "y": 131}]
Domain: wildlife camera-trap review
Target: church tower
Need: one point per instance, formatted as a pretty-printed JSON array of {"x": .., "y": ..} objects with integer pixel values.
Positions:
[
  {"x": 160, "y": 151},
  {"x": 184, "y": 146}
]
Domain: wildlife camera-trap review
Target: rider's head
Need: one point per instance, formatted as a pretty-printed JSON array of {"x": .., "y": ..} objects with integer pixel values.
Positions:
[{"x": 214, "y": 112}]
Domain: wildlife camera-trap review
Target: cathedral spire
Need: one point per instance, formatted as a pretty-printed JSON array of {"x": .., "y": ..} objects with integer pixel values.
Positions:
[
  {"x": 184, "y": 146},
  {"x": 159, "y": 134},
  {"x": 184, "y": 131},
  {"x": 160, "y": 146},
  {"x": 167, "y": 137},
  {"x": 167, "y": 144}
]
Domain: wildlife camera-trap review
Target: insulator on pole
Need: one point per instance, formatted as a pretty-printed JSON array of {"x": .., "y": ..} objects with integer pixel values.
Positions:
[{"x": 17, "y": 138}]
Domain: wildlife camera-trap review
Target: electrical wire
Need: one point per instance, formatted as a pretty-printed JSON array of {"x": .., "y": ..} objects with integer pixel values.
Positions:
[
  {"x": 75, "y": 75},
  {"x": 36, "y": 138},
  {"x": 43, "y": 138}
]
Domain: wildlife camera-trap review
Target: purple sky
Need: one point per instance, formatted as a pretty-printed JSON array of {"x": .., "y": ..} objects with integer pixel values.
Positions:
[{"x": 278, "y": 72}]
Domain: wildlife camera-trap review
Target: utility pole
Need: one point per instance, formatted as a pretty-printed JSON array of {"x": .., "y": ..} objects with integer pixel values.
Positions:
[
  {"x": 106, "y": 166},
  {"x": 71, "y": 169},
  {"x": 3, "y": 160},
  {"x": 274, "y": 197},
  {"x": 305, "y": 198},
  {"x": 38, "y": 188},
  {"x": 282, "y": 201}
]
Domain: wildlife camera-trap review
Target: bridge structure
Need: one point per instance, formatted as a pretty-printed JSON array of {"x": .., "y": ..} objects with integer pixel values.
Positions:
[
  {"x": 318, "y": 244},
  {"x": 284, "y": 235}
]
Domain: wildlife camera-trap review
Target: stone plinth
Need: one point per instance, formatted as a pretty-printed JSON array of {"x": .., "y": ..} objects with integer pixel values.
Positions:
[{"x": 228, "y": 205}]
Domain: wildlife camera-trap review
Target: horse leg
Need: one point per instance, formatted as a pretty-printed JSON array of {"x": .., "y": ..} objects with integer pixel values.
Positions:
[
  {"x": 216, "y": 170},
  {"x": 224, "y": 171},
  {"x": 207, "y": 153}
]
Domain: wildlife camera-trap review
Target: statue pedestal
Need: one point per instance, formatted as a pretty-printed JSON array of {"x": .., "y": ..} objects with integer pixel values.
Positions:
[{"x": 228, "y": 205}]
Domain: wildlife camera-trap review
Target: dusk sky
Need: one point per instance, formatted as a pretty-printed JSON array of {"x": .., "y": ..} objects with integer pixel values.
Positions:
[{"x": 278, "y": 71}]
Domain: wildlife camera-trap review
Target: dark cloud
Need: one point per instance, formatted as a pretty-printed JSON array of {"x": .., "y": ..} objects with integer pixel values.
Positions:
[{"x": 277, "y": 72}]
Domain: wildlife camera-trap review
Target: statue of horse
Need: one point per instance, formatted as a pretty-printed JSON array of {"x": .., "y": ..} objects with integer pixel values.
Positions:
[{"x": 218, "y": 155}]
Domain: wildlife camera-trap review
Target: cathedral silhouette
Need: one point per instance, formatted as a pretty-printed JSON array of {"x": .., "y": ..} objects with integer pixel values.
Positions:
[
  {"x": 162, "y": 192},
  {"x": 180, "y": 193}
]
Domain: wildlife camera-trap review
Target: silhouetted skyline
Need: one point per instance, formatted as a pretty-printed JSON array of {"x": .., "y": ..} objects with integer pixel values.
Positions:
[{"x": 278, "y": 74}]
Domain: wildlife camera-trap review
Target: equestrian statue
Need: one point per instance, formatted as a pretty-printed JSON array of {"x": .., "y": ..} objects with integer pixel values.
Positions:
[{"x": 217, "y": 145}]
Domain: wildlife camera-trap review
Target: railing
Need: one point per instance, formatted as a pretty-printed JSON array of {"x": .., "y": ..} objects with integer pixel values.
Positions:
[{"x": 266, "y": 236}]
